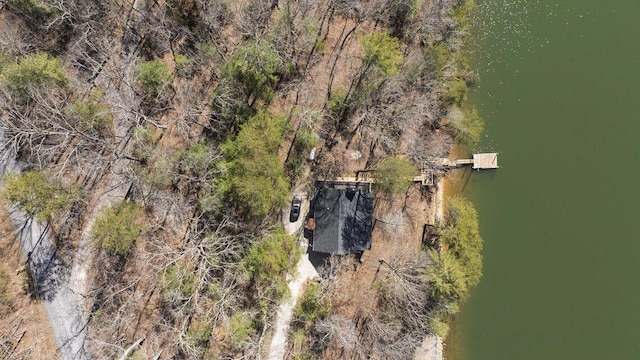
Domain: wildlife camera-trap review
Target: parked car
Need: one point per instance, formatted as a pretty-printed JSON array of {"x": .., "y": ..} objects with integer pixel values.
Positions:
[{"x": 296, "y": 205}]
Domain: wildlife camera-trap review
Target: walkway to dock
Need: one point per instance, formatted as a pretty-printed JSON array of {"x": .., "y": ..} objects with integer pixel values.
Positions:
[{"x": 482, "y": 161}]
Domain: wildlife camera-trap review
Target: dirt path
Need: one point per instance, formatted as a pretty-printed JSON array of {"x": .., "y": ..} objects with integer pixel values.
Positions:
[{"x": 304, "y": 271}]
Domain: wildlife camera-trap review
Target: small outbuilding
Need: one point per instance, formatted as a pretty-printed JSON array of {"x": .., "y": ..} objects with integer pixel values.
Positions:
[{"x": 343, "y": 221}]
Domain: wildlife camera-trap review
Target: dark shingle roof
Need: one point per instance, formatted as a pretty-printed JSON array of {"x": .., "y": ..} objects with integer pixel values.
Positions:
[{"x": 342, "y": 221}]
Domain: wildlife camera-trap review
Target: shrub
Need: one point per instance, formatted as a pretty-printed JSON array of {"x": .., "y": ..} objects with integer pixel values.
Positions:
[
  {"x": 438, "y": 325},
  {"x": 447, "y": 280},
  {"x": 32, "y": 7},
  {"x": 153, "y": 76},
  {"x": 197, "y": 160},
  {"x": 92, "y": 115},
  {"x": 230, "y": 107},
  {"x": 306, "y": 138},
  {"x": 34, "y": 71},
  {"x": 461, "y": 236},
  {"x": 257, "y": 66},
  {"x": 242, "y": 327},
  {"x": 178, "y": 284},
  {"x": 383, "y": 51},
  {"x": 158, "y": 172},
  {"x": 183, "y": 64},
  {"x": 467, "y": 124},
  {"x": 440, "y": 55},
  {"x": 206, "y": 52},
  {"x": 337, "y": 101},
  {"x": 456, "y": 93},
  {"x": 144, "y": 142},
  {"x": 198, "y": 335},
  {"x": 311, "y": 307},
  {"x": 269, "y": 259},
  {"x": 395, "y": 174},
  {"x": 38, "y": 194},
  {"x": 402, "y": 9},
  {"x": 117, "y": 228}
]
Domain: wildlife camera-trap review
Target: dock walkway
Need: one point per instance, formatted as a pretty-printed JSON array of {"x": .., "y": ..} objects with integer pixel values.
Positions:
[{"x": 483, "y": 161}]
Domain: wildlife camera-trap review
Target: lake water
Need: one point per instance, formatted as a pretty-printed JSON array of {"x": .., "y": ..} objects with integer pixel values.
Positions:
[{"x": 560, "y": 93}]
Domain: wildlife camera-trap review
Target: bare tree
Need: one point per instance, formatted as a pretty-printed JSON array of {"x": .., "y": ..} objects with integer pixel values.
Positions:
[{"x": 339, "y": 331}]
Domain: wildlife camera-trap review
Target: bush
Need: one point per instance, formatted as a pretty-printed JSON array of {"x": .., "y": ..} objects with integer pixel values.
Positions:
[
  {"x": 34, "y": 71},
  {"x": 196, "y": 161},
  {"x": 306, "y": 138},
  {"x": 269, "y": 259},
  {"x": 92, "y": 115},
  {"x": 144, "y": 142},
  {"x": 311, "y": 307},
  {"x": 438, "y": 325},
  {"x": 32, "y": 7},
  {"x": 158, "y": 171},
  {"x": 447, "y": 280},
  {"x": 230, "y": 107},
  {"x": 242, "y": 327},
  {"x": 38, "y": 194},
  {"x": 257, "y": 66},
  {"x": 337, "y": 102},
  {"x": 153, "y": 76},
  {"x": 197, "y": 336},
  {"x": 467, "y": 124},
  {"x": 461, "y": 236},
  {"x": 440, "y": 55},
  {"x": 395, "y": 174},
  {"x": 456, "y": 93},
  {"x": 183, "y": 64},
  {"x": 383, "y": 51},
  {"x": 178, "y": 284},
  {"x": 117, "y": 228}
]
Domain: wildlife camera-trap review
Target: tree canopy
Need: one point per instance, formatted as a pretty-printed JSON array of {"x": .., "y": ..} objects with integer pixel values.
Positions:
[
  {"x": 34, "y": 71},
  {"x": 383, "y": 51},
  {"x": 153, "y": 76},
  {"x": 395, "y": 174},
  {"x": 255, "y": 173},
  {"x": 38, "y": 194},
  {"x": 269, "y": 259},
  {"x": 461, "y": 236},
  {"x": 117, "y": 228},
  {"x": 257, "y": 67}
]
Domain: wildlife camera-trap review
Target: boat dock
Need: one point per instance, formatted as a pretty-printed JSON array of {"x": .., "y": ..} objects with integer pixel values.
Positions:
[{"x": 483, "y": 161}]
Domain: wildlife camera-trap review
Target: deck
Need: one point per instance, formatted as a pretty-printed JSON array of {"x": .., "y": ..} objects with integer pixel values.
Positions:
[{"x": 485, "y": 161}]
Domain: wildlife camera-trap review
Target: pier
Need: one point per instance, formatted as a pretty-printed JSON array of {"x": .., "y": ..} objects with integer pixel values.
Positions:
[
  {"x": 478, "y": 162},
  {"x": 483, "y": 161}
]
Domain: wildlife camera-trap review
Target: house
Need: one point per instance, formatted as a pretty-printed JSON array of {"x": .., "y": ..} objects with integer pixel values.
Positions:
[{"x": 342, "y": 221}]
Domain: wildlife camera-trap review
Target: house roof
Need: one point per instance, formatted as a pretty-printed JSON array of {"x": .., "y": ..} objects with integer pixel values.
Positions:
[{"x": 342, "y": 221}]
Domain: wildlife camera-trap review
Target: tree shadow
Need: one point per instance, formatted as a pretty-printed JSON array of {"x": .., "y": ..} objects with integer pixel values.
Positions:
[{"x": 47, "y": 272}]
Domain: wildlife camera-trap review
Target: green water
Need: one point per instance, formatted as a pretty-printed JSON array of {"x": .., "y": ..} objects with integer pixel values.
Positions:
[{"x": 561, "y": 218}]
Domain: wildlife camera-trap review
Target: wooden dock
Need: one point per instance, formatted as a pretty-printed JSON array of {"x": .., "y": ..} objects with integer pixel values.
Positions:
[
  {"x": 485, "y": 161},
  {"x": 478, "y": 162},
  {"x": 427, "y": 175}
]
